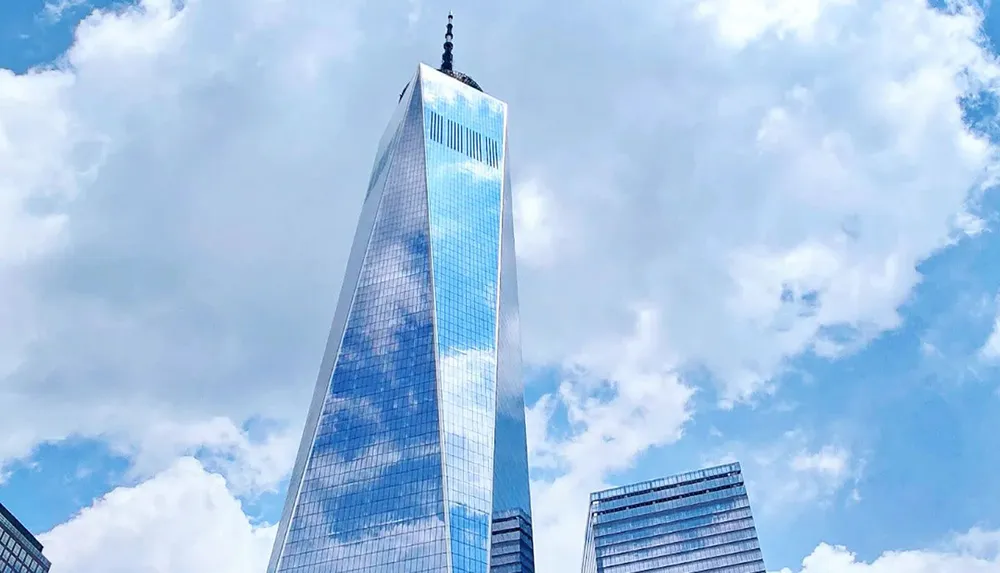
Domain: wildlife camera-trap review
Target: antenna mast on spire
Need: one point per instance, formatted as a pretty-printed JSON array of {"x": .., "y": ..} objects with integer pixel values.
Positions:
[{"x": 446, "y": 58}]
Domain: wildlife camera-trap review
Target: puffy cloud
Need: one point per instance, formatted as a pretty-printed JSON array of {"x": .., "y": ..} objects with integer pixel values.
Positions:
[
  {"x": 184, "y": 520},
  {"x": 181, "y": 520},
  {"x": 57, "y": 9},
  {"x": 794, "y": 472},
  {"x": 154, "y": 286},
  {"x": 642, "y": 403},
  {"x": 720, "y": 188},
  {"x": 750, "y": 204},
  {"x": 536, "y": 216},
  {"x": 990, "y": 351},
  {"x": 971, "y": 552},
  {"x": 251, "y": 461},
  {"x": 753, "y": 199}
]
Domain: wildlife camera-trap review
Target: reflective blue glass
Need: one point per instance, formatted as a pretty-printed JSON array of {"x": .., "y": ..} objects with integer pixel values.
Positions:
[
  {"x": 465, "y": 134},
  {"x": 511, "y": 498},
  {"x": 420, "y": 391},
  {"x": 699, "y": 521}
]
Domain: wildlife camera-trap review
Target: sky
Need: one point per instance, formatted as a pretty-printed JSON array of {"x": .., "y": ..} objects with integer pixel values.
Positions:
[{"x": 761, "y": 230}]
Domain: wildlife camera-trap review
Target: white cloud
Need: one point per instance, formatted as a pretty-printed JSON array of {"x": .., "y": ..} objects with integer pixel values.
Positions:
[
  {"x": 978, "y": 541},
  {"x": 138, "y": 273},
  {"x": 739, "y": 23},
  {"x": 56, "y": 9},
  {"x": 792, "y": 473},
  {"x": 251, "y": 465},
  {"x": 829, "y": 460},
  {"x": 681, "y": 236},
  {"x": 990, "y": 351},
  {"x": 958, "y": 556},
  {"x": 183, "y": 520},
  {"x": 638, "y": 404},
  {"x": 538, "y": 224},
  {"x": 414, "y": 15},
  {"x": 969, "y": 224},
  {"x": 752, "y": 196},
  {"x": 177, "y": 253}
]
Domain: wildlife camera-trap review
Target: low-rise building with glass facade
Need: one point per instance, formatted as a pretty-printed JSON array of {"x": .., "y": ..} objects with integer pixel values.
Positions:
[
  {"x": 20, "y": 552},
  {"x": 511, "y": 547},
  {"x": 696, "y": 522}
]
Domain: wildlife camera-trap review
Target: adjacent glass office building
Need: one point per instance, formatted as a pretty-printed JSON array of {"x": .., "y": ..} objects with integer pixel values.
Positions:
[
  {"x": 20, "y": 552},
  {"x": 689, "y": 523},
  {"x": 416, "y": 435},
  {"x": 513, "y": 549}
]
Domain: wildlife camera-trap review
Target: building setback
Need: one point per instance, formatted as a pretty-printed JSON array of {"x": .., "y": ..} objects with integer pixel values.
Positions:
[
  {"x": 20, "y": 552},
  {"x": 696, "y": 522}
]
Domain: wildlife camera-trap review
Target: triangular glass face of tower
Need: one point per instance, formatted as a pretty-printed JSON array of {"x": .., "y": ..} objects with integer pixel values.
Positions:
[{"x": 415, "y": 435}]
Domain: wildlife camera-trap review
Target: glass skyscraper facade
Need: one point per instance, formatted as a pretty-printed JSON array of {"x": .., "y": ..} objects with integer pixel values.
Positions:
[
  {"x": 20, "y": 552},
  {"x": 689, "y": 523},
  {"x": 415, "y": 437}
]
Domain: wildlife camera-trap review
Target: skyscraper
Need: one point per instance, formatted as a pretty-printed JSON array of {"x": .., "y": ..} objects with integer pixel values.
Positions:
[
  {"x": 415, "y": 435},
  {"x": 20, "y": 552},
  {"x": 693, "y": 522}
]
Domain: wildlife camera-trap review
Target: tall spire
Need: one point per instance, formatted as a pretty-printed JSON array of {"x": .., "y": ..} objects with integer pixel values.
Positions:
[
  {"x": 446, "y": 58},
  {"x": 447, "y": 61}
]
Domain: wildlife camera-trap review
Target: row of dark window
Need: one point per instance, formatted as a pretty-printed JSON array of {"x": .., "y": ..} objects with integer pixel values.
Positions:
[
  {"x": 464, "y": 140},
  {"x": 16, "y": 557},
  {"x": 607, "y": 515},
  {"x": 703, "y": 476}
]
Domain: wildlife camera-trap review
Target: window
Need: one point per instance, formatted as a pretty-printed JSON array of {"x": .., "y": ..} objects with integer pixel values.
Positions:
[{"x": 455, "y": 136}]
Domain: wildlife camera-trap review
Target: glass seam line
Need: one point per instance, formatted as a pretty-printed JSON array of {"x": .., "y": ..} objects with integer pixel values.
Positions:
[
  {"x": 442, "y": 453},
  {"x": 496, "y": 361}
]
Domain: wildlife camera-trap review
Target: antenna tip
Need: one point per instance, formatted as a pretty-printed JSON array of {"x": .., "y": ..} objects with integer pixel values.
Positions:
[{"x": 446, "y": 58}]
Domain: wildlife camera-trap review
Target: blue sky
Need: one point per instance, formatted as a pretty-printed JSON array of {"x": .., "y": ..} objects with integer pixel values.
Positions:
[{"x": 821, "y": 320}]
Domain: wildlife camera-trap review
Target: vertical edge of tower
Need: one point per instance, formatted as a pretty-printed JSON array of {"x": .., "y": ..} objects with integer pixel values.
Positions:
[
  {"x": 589, "y": 564},
  {"x": 355, "y": 264},
  {"x": 497, "y": 343},
  {"x": 446, "y": 515}
]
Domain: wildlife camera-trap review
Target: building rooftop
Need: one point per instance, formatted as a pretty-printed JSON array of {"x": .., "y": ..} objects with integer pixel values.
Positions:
[
  {"x": 664, "y": 482},
  {"x": 511, "y": 513},
  {"x": 6, "y": 514}
]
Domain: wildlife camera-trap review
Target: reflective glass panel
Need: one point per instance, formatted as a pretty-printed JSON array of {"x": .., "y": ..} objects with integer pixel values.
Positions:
[
  {"x": 370, "y": 498},
  {"x": 464, "y": 203},
  {"x": 414, "y": 446},
  {"x": 700, "y": 521}
]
